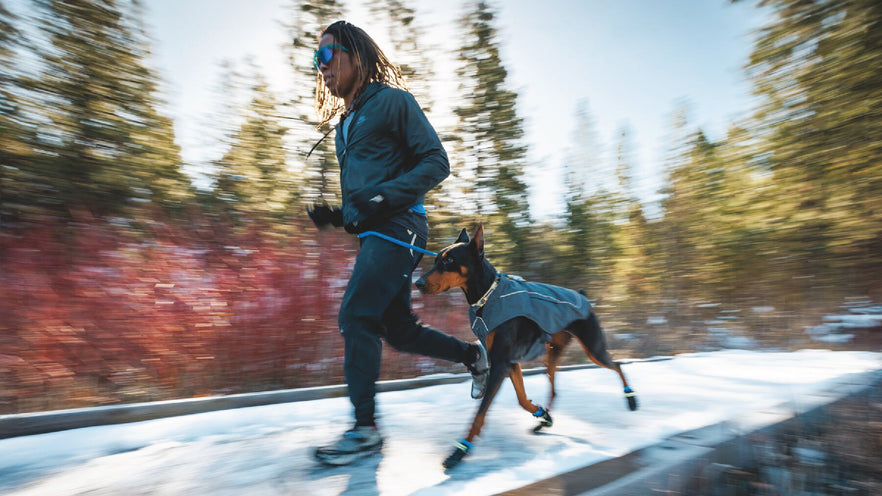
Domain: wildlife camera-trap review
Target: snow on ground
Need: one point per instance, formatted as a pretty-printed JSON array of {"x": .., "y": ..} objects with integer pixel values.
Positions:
[
  {"x": 835, "y": 327},
  {"x": 267, "y": 450}
]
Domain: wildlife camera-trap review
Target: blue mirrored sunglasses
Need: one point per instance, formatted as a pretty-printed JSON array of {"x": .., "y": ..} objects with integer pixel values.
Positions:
[{"x": 325, "y": 54}]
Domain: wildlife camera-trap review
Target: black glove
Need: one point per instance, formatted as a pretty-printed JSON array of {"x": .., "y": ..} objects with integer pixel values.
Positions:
[{"x": 322, "y": 215}]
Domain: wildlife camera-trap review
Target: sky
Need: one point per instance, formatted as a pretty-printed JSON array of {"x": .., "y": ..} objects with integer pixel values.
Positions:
[
  {"x": 267, "y": 450},
  {"x": 632, "y": 62}
]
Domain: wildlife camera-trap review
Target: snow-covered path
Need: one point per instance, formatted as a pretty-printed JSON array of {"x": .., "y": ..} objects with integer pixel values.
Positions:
[{"x": 266, "y": 450}]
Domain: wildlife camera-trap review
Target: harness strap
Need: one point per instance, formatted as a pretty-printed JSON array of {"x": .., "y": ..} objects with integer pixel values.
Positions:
[{"x": 398, "y": 242}]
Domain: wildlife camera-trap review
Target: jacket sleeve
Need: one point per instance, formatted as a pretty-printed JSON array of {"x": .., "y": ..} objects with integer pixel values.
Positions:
[{"x": 418, "y": 137}]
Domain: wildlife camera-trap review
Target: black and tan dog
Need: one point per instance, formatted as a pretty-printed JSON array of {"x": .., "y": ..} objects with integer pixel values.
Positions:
[{"x": 516, "y": 321}]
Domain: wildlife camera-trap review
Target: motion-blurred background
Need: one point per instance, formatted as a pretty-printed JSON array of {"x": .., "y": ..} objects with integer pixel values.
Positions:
[{"x": 139, "y": 264}]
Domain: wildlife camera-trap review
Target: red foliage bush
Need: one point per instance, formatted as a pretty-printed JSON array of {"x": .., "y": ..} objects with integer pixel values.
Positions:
[{"x": 102, "y": 312}]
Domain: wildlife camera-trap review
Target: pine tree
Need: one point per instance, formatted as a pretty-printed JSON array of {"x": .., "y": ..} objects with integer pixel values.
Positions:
[
  {"x": 587, "y": 153},
  {"x": 817, "y": 68},
  {"x": 746, "y": 209},
  {"x": 581, "y": 217},
  {"x": 635, "y": 274},
  {"x": 690, "y": 209},
  {"x": 408, "y": 50},
  {"x": 492, "y": 137},
  {"x": 672, "y": 236},
  {"x": 583, "y": 235},
  {"x": 106, "y": 144},
  {"x": 18, "y": 178},
  {"x": 158, "y": 163},
  {"x": 624, "y": 168},
  {"x": 254, "y": 181}
]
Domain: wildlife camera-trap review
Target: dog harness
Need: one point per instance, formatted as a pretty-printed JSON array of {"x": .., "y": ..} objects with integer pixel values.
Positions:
[{"x": 552, "y": 308}]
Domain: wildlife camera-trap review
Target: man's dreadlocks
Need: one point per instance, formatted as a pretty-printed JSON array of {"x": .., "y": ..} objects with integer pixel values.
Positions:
[{"x": 371, "y": 65}]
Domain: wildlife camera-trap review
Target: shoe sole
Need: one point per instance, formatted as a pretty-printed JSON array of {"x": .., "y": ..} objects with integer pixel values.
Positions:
[
  {"x": 478, "y": 394},
  {"x": 336, "y": 460}
]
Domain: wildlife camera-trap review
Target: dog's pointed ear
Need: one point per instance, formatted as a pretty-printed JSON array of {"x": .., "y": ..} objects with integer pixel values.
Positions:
[
  {"x": 478, "y": 240},
  {"x": 463, "y": 237}
]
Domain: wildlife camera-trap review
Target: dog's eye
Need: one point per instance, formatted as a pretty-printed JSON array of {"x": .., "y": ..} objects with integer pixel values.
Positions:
[{"x": 447, "y": 261}]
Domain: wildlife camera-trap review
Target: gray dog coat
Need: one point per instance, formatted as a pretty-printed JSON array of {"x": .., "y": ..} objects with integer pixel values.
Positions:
[{"x": 552, "y": 308}]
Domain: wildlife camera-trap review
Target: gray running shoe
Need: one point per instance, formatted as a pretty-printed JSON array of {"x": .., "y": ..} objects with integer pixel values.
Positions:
[
  {"x": 479, "y": 370},
  {"x": 358, "y": 442}
]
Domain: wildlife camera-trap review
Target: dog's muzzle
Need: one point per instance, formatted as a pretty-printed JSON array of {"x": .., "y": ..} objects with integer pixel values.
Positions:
[{"x": 421, "y": 284}]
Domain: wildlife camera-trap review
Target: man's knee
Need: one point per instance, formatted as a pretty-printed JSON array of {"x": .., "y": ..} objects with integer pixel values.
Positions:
[
  {"x": 356, "y": 320},
  {"x": 402, "y": 334}
]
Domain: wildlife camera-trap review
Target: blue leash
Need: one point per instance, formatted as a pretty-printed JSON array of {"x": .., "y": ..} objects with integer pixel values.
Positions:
[{"x": 398, "y": 242}]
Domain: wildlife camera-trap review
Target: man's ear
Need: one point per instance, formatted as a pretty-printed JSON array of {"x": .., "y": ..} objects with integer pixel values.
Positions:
[
  {"x": 478, "y": 240},
  {"x": 463, "y": 237}
]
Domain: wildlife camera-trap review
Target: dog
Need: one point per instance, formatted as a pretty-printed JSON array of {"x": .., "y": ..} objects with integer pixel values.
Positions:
[{"x": 516, "y": 321}]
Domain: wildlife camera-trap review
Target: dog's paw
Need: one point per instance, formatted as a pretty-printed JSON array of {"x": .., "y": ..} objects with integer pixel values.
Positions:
[
  {"x": 545, "y": 420},
  {"x": 462, "y": 449},
  {"x": 631, "y": 396}
]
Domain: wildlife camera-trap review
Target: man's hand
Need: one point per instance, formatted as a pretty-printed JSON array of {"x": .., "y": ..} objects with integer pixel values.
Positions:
[
  {"x": 368, "y": 201},
  {"x": 322, "y": 215}
]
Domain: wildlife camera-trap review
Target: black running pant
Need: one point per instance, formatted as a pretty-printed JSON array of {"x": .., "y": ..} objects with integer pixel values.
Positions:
[{"x": 377, "y": 304}]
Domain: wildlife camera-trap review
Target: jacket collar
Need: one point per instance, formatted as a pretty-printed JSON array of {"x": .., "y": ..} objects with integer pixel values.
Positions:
[{"x": 369, "y": 92}]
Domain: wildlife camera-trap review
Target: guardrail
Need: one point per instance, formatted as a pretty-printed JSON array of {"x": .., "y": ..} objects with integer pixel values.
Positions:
[
  {"x": 26, "y": 424},
  {"x": 722, "y": 458}
]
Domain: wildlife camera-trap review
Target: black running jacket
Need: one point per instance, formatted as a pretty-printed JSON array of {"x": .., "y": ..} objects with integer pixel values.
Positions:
[{"x": 390, "y": 149}]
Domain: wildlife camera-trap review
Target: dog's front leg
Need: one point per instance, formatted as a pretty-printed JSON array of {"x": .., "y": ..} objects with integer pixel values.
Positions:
[
  {"x": 498, "y": 371},
  {"x": 517, "y": 380}
]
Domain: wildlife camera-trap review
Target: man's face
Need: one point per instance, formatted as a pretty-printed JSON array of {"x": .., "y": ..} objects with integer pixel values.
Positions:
[{"x": 339, "y": 74}]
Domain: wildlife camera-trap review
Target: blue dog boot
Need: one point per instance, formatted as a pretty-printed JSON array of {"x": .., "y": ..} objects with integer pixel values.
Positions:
[
  {"x": 631, "y": 396},
  {"x": 462, "y": 449},
  {"x": 544, "y": 419}
]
